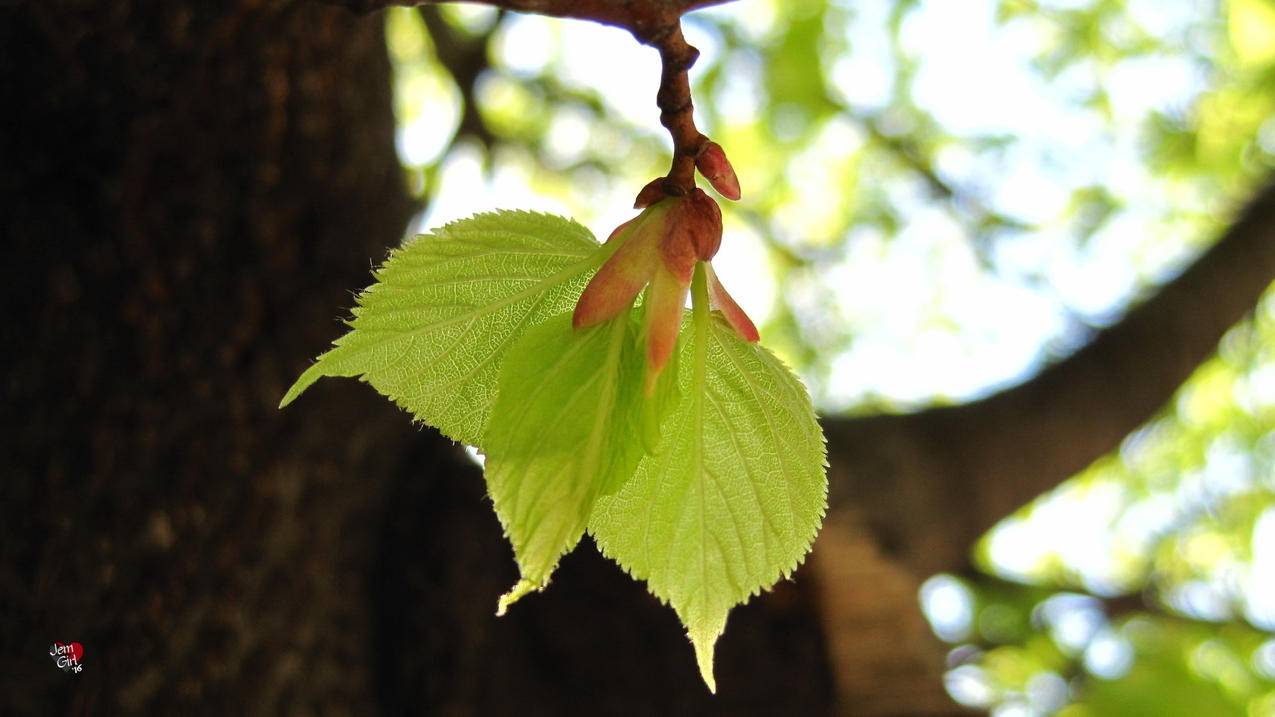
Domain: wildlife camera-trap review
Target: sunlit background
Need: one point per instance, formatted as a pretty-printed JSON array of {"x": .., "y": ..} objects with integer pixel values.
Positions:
[{"x": 939, "y": 198}]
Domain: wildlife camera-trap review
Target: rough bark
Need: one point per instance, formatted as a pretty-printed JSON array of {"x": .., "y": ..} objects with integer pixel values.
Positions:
[{"x": 191, "y": 191}]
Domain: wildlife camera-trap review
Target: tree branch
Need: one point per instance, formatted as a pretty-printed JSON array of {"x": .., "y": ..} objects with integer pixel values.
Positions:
[
  {"x": 676, "y": 108},
  {"x": 641, "y": 17},
  {"x": 931, "y": 483},
  {"x": 465, "y": 58},
  {"x": 656, "y": 23}
]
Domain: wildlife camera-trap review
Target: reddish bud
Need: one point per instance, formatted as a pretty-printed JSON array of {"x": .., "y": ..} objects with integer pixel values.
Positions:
[
  {"x": 706, "y": 219},
  {"x": 712, "y": 163},
  {"x": 694, "y": 233},
  {"x": 658, "y": 249},
  {"x": 725, "y": 303},
  {"x": 662, "y": 322},
  {"x": 650, "y": 194},
  {"x": 616, "y": 285}
]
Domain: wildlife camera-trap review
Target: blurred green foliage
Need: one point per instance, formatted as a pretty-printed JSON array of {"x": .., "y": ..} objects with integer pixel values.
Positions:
[{"x": 939, "y": 197}]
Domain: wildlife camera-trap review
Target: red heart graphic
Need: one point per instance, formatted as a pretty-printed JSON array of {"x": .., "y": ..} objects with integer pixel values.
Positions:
[{"x": 74, "y": 650}]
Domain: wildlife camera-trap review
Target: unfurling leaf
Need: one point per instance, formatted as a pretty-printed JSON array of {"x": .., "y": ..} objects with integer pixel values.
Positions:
[
  {"x": 430, "y": 334},
  {"x": 732, "y": 499},
  {"x": 705, "y": 479},
  {"x": 567, "y": 427}
]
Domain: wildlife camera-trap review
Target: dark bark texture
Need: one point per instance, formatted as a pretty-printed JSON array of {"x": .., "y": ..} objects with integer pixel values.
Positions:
[{"x": 191, "y": 191}]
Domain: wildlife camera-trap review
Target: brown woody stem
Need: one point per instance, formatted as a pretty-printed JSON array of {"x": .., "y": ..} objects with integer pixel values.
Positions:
[
  {"x": 641, "y": 17},
  {"x": 657, "y": 23},
  {"x": 676, "y": 108}
]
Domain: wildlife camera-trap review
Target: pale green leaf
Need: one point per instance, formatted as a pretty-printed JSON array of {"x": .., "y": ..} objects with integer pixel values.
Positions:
[
  {"x": 431, "y": 332},
  {"x": 567, "y": 427},
  {"x": 732, "y": 499}
]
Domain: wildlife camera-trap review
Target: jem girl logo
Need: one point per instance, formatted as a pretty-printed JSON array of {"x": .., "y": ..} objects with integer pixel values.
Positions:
[{"x": 67, "y": 657}]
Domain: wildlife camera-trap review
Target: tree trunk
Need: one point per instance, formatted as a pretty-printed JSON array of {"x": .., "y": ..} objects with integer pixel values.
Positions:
[{"x": 192, "y": 190}]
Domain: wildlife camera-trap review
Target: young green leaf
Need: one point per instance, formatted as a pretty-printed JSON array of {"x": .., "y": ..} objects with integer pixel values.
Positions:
[
  {"x": 567, "y": 427},
  {"x": 732, "y": 499},
  {"x": 430, "y": 334},
  {"x": 709, "y": 484}
]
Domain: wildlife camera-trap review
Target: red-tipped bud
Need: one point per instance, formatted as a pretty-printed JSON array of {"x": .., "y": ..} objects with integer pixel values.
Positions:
[
  {"x": 694, "y": 233},
  {"x": 659, "y": 248},
  {"x": 725, "y": 303},
  {"x": 712, "y": 163},
  {"x": 706, "y": 221},
  {"x": 616, "y": 285},
  {"x": 662, "y": 322},
  {"x": 650, "y": 194}
]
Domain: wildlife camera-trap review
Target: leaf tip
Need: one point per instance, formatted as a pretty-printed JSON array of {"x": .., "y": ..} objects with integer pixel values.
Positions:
[
  {"x": 704, "y": 645},
  {"x": 516, "y": 593},
  {"x": 304, "y": 381}
]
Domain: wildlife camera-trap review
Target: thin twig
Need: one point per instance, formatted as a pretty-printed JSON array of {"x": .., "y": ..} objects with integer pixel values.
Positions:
[
  {"x": 656, "y": 23},
  {"x": 465, "y": 58},
  {"x": 641, "y": 17},
  {"x": 676, "y": 108}
]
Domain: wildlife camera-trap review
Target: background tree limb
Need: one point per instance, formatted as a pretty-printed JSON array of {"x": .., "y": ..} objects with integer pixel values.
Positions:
[
  {"x": 910, "y": 494},
  {"x": 951, "y": 473}
]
